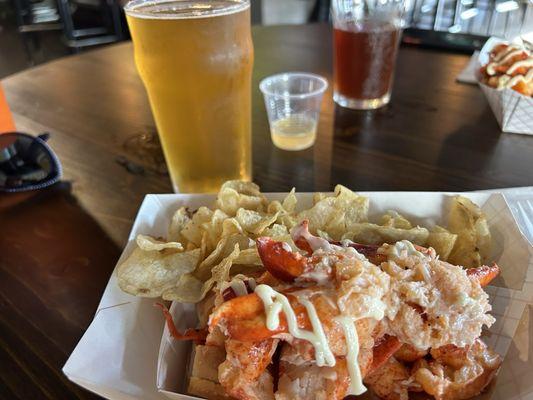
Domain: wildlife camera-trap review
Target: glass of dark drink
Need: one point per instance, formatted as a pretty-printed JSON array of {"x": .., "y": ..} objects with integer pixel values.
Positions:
[{"x": 366, "y": 38}]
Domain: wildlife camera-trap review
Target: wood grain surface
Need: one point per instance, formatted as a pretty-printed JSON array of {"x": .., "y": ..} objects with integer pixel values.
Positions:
[{"x": 58, "y": 248}]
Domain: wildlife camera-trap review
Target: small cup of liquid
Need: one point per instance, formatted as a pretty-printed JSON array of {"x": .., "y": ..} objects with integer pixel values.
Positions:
[{"x": 293, "y": 101}]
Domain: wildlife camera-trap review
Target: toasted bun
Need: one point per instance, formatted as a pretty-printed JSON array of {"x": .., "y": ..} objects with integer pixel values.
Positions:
[
  {"x": 204, "y": 375},
  {"x": 206, "y": 362},
  {"x": 207, "y": 389}
]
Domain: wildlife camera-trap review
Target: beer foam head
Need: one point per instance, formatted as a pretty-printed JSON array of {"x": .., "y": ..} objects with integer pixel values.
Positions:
[{"x": 183, "y": 9}]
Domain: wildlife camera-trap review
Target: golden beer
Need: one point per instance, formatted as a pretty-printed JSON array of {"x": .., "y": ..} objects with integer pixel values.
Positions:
[{"x": 195, "y": 59}]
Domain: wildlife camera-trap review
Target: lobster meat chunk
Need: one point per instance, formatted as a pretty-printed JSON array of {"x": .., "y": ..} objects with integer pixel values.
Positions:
[{"x": 484, "y": 274}]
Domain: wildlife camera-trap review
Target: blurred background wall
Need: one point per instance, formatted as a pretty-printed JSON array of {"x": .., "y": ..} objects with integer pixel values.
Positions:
[{"x": 36, "y": 31}]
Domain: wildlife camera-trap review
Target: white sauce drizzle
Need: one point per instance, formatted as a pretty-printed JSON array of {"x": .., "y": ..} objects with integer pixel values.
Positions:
[
  {"x": 314, "y": 241},
  {"x": 376, "y": 311},
  {"x": 502, "y": 58},
  {"x": 403, "y": 248},
  {"x": 238, "y": 285},
  {"x": 505, "y": 80},
  {"x": 352, "y": 344},
  {"x": 320, "y": 275},
  {"x": 503, "y": 54},
  {"x": 286, "y": 246},
  {"x": 275, "y": 302},
  {"x": 520, "y": 64}
]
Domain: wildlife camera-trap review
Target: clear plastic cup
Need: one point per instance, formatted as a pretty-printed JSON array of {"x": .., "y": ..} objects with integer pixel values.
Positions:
[{"x": 293, "y": 101}]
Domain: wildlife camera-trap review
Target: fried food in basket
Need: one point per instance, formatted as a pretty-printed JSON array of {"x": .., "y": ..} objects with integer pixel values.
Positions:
[
  {"x": 321, "y": 303},
  {"x": 509, "y": 66}
]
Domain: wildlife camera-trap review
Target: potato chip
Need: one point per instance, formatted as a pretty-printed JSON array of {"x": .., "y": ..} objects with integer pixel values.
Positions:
[
  {"x": 356, "y": 206},
  {"x": 336, "y": 225},
  {"x": 150, "y": 273},
  {"x": 472, "y": 246},
  {"x": 484, "y": 239},
  {"x": 367, "y": 233},
  {"x": 192, "y": 231},
  {"x": 148, "y": 243},
  {"x": 213, "y": 229},
  {"x": 318, "y": 196},
  {"x": 230, "y": 227},
  {"x": 465, "y": 251},
  {"x": 254, "y": 222},
  {"x": 289, "y": 221},
  {"x": 243, "y": 187},
  {"x": 180, "y": 218},
  {"x": 203, "y": 245},
  {"x": 211, "y": 245},
  {"x": 237, "y": 194},
  {"x": 190, "y": 289},
  {"x": 442, "y": 241},
  {"x": 336, "y": 214},
  {"x": 275, "y": 206},
  {"x": 223, "y": 249},
  {"x": 289, "y": 202},
  {"x": 276, "y": 231},
  {"x": 395, "y": 220},
  {"x": 323, "y": 235},
  {"x": 285, "y": 210},
  {"x": 463, "y": 214},
  {"x": 248, "y": 257}
]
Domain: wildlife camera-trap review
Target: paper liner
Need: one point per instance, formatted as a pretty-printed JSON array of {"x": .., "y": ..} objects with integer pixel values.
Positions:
[
  {"x": 122, "y": 355},
  {"x": 513, "y": 111}
]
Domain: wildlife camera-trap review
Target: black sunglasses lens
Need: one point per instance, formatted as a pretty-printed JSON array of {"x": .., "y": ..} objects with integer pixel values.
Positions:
[{"x": 26, "y": 163}]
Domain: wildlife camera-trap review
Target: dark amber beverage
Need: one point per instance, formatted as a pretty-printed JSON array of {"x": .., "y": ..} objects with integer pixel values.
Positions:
[
  {"x": 364, "y": 62},
  {"x": 366, "y": 36}
]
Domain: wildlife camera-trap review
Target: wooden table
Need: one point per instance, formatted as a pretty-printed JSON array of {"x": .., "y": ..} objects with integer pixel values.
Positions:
[{"x": 435, "y": 135}]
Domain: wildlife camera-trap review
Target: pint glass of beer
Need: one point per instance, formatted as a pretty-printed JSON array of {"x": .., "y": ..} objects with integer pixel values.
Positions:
[
  {"x": 195, "y": 59},
  {"x": 366, "y": 38}
]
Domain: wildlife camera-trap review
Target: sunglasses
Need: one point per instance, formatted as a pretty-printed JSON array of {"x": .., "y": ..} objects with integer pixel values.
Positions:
[{"x": 27, "y": 162}]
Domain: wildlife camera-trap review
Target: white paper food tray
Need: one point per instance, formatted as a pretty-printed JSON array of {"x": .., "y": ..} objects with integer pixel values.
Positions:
[
  {"x": 513, "y": 110},
  {"x": 126, "y": 354}
]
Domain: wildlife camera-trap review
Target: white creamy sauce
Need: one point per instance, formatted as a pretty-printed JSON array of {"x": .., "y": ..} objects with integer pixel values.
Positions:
[
  {"x": 401, "y": 249},
  {"x": 504, "y": 54},
  {"x": 320, "y": 276},
  {"x": 503, "y": 57},
  {"x": 286, "y": 246},
  {"x": 375, "y": 310},
  {"x": 238, "y": 285},
  {"x": 506, "y": 80},
  {"x": 275, "y": 303},
  {"x": 346, "y": 242},
  {"x": 352, "y": 344},
  {"x": 300, "y": 231},
  {"x": 520, "y": 64}
]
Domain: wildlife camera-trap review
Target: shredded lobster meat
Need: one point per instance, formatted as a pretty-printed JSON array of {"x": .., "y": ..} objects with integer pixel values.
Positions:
[{"x": 373, "y": 307}]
